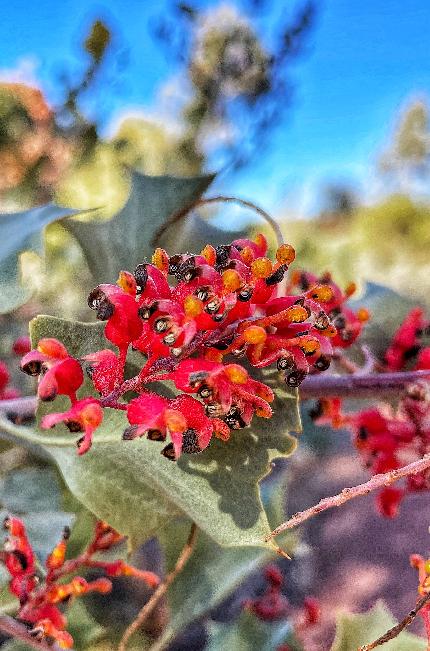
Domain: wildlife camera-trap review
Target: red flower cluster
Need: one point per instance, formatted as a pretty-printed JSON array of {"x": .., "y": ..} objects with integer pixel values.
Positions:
[
  {"x": 224, "y": 304},
  {"x": 389, "y": 438},
  {"x": 274, "y": 606},
  {"x": 40, "y": 601}
]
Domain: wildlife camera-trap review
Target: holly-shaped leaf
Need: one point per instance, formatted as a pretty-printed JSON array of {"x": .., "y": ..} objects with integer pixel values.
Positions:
[
  {"x": 214, "y": 572},
  {"x": 247, "y": 634},
  {"x": 19, "y": 232},
  {"x": 353, "y": 631},
  {"x": 124, "y": 240}
]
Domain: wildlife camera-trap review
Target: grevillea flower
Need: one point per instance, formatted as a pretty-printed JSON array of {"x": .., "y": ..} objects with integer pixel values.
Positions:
[
  {"x": 58, "y": 372},
  {"x": 183, "y": 418},
  {"x": 84, "y": 416},
  {"x": 406, "y": 341},
  {"x": 221, "y": 305},
  {"x": 40, "y": 601}
]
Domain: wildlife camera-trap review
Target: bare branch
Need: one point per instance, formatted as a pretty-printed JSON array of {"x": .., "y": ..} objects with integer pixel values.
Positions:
[
  {"x": 398, "y": 628},
  {"x": 162, "y": 588},
  {"x": 359, "y": 386},
  {"x": 10, "y": 626},
  {"x": 376, "y": 482}
]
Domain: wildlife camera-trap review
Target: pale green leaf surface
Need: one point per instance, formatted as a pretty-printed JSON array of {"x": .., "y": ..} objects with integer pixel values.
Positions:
[
  {"x": 248, "y": 633},
  {"x": 214, "y": 572},
  {"x": 352, "y": 631},
  {"x": 19, "y": 232}
]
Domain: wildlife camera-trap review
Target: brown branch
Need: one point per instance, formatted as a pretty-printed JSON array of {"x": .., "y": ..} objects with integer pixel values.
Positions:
[
  {"x": 315, "y": 386},
  {"x": 398, "y": 628},
  {"x": 376, "y": 482},
  {"x": 162, "y": 588},
  {"x": 9, "y": 626},
  {"x": 359, "y": 386}
]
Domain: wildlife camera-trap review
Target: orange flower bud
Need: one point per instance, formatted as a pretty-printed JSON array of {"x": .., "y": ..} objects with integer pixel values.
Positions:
[
  {"x": 255, "y": 335},
  {"x": 261, "y": 268},
  {"x": 247, "y": 255},
  {"x": 363, "y": 315},
  {"x": 231, "y": 280},
  {"x": 160, "y": 259},
  {"x": 297, "y": 314},
  {"x": 236, "y": 374},
  {"x": 321, "y": 293},
  {"x": 127, "y": 282},
  {"x": 285, "y": 254},
  {"x": 350, "y": 289},
  {"x": 209, "y": 254},
  {"x": 193, "y": 306},
  {"x": 52, "y": 348}
]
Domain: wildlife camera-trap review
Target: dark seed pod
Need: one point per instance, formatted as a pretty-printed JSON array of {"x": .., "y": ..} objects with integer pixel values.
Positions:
[
  {"x": 285, "y": 363},
  {"x": 169, "y": 452},
  {"x": 222, "y": 256},
  {"x": 219, "y": 317},
  {"x": 323, "y": 362},
  {"x": 245, "y": 294},
  {"x": 169, "y": 339},
  {"x": 205, "y": 392},
  {"x": 161, "y": 324},
  {"x": 295, "y": 378},
  {"x": 213, "y": 306},
  {"x": 175, "y": 262},
  {"x": 276, "y": 276},
  {"x": 141, "y": 276},
  {"x": 411, "y": 352},
  {"x": 66, "y": 533},
  {"x": 322, "y": 321},
  {"x": 73, "y": 426},
  {"x": 234, "y": 419},
  {"x": 21, "y": 558},
  {"x": 202, "y": 293},
  {"x": 97, "y": 300},
  {"x": 188, "y": 270},
  {"x": 146, "y": 311},
  {"x": 190, "y": 442},
  {"x": 155, "y": 435},
  {"x": 34, "y": 368},
  {"x": 130, "y": 433}
]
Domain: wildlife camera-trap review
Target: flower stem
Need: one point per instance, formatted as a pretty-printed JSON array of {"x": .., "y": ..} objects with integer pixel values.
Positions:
[
  {"x": 11, "y": 627},
  {"x": 162, "y": 588},
  {"x": 398, "y": 628},
  {"x": 376, "y": 482}
]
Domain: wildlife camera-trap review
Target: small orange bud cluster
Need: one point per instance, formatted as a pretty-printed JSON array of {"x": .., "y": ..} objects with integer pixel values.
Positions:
[{"x": 40, "y": 601}]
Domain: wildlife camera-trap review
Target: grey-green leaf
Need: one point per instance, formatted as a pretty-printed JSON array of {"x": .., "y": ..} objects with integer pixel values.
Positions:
[
  {"x": 353, "y": 631},
  {"x": 123, "y": 241},
  {"x": 248, "y": 634},
  {"x": 19, "y": 232}
]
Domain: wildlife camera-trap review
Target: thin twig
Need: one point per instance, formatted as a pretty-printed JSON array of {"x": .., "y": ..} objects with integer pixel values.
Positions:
[
  {"x": 398, "y": 628},
  {"x": 247, "y": 204},
  {"x": 9, "y": 626},
  {"x": 162, "y": 588},
  {"x": 376, "y": 482},
  {"x": 359, "y": 386}
]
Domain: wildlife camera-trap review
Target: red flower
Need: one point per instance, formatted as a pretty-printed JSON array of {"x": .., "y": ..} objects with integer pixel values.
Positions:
[
  {"x": 183, "y": 418},
  {"x": 119, "y": 309},
  {"x": 85, "y": 416},
  {"x": 59, "y": 374},
  {"x": 406, "y": 341},
  {"x": 21, "y": 346}
]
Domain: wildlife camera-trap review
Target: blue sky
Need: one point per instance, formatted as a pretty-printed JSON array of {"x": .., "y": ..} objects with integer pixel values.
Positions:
[{"x": 365, "y": 59}]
